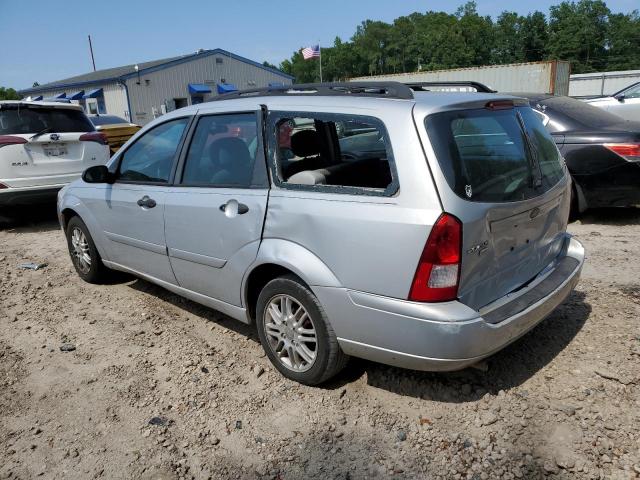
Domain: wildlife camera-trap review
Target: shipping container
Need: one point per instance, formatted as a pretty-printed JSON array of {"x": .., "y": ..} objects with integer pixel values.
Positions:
[
  {"x": 535, "y": 77},
  {"x": 601, "y": 84}
]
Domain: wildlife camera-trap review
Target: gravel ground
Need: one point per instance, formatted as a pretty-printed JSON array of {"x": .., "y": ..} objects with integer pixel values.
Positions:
[{"x": 157, "y": 387}]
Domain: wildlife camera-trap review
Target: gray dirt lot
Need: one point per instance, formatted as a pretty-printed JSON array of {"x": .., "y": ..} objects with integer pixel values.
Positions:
[{"x": 564, "y": 401}]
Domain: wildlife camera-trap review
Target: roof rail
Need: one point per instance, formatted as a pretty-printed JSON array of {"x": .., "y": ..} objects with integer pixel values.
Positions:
[
  {"x": 356, "y": 89},
  {"x": 422, "y": 86}
]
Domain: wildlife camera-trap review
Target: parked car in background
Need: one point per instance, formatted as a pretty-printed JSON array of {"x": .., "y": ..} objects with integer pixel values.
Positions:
[
  {"x": 44, "y": 146},
  {"x": 625, "y": 103},
  {"x": 432, "y": 243},
  {"x": 602, "y": 150},
  {"x": 117, "y": 129}
]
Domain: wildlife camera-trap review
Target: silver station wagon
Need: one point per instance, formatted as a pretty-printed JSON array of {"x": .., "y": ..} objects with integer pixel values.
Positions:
[{"x": 391, "y": 222}]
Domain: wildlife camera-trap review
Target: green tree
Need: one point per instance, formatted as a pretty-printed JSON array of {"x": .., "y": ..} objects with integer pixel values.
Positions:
[
  {"x": 9, "y": 94},
  {"x": 583, "y": 32},
  {"x": 623, "y": 41},
  {"x": 35, "y": 84},
  {"x": 578, "y": 33},
  {"x": 508, "y": 46},
  {"x": 534, "y": 36}
]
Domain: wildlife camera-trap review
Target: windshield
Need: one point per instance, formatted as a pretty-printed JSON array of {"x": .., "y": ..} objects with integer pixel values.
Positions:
[
  {"x": 106, "y": 120},
  {"x": 23, "y": 119},
  {"x": 569, "y": 114},
  {"x": 495, "y": 155}
]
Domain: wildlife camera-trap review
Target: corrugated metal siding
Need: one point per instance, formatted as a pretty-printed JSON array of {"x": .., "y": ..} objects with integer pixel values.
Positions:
[
  {"x": 604, "y": 83},
  {"x": 535, "y": 77},
  {"x": 115, "y": 98},
  {"x": 563, "y": 70},
  {"x": 170, "y": 83}
]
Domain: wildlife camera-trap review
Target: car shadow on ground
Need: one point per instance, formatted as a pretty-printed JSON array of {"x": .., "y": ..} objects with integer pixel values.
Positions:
[
  {"x": 190, "y": 306},
  {"x": 29, "y": 219},
  {"x": 611, "y": 216},
  {"x": 507, "y": 369}
]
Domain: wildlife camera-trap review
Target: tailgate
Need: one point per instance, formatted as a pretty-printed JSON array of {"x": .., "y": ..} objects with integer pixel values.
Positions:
[{"x": 500, "y": 173}]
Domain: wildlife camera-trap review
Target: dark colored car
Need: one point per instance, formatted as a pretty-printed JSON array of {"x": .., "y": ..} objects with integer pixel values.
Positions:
[{"x": 602, "y": 150}]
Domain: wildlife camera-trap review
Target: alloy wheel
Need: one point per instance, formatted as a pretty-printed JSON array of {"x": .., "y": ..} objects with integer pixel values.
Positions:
[{"x": 290, "y": 333}]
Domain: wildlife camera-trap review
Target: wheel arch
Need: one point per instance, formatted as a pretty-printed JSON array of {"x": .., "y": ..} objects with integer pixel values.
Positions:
[{"x": 278, "y": 257}]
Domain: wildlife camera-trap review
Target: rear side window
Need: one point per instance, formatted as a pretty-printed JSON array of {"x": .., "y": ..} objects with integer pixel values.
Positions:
[
  {"x": 223, "y": 151},
  {"x": 495, "y": 155},
  {"x": 25, "y": 120},
  {"x": 338, "y": 153}
]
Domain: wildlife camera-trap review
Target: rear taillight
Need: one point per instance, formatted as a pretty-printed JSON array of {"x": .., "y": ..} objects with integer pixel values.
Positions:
[
  {"x": 438, "y": 273},
  {"x": 2, "y": 185},
  {"x": 97, "y": 137},
  {"x": 625, "y": 149},
  {"x": 11, "y": 140}
]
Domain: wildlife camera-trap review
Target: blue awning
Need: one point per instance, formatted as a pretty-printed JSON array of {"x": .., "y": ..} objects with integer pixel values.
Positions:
[
  {"x": 35, "y": 99},
  {"x": 93, "y": 93},
  {"x": 199, "y": 89},
  {"x": 226, "y": 88},
  {"x": 62, "y": 95},
  {"x": 76, "y": 95}
]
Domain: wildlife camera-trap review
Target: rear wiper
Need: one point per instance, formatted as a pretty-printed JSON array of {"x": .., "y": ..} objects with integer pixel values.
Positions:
[
  {"x": 41, "y": 132},
  {"x": 536, "y": 173}
]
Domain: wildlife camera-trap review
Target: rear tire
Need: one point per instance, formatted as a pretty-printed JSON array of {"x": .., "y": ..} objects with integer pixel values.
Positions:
[
  {"x": 295, "y": 332},
  {"x": 84, "y": 254}
]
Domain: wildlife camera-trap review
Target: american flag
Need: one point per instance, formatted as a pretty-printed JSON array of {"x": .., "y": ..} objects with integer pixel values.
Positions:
[{"x": 311, "y": 52}]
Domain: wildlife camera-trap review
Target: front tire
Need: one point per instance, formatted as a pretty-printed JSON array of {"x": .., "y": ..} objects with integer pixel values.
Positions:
[
  {"x": 295, "y": 332},
  {"x": 83, "y": 252}
]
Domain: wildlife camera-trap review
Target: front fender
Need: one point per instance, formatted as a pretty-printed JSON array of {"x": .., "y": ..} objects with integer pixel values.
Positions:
[{"x": 69, "y": 201}]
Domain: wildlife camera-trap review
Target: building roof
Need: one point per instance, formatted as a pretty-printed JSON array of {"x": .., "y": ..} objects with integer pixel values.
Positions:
[{"x": 127, "y": 71}]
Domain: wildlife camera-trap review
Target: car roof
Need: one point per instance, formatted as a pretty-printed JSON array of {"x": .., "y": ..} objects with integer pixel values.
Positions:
[
  {"x": 41, "y": 104},
  {"x": 434, "y": 100}
]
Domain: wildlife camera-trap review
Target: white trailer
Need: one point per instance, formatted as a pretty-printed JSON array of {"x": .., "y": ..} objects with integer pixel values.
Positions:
[{"x": 535, "y": 77}]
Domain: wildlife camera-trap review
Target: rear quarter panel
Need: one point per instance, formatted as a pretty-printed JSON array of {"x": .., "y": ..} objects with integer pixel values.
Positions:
[{"x": 367, "y": 243}]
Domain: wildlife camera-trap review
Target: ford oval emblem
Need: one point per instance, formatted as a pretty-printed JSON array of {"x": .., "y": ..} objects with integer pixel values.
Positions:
[
  {"x": 55, "y": 137},
  {"x": 534, "y": 213}
]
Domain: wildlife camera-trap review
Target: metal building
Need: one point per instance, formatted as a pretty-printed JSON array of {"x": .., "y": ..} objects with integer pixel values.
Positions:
[{"x": 147, "y": 90}]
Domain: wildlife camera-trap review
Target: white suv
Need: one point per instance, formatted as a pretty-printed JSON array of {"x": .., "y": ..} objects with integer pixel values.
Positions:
[{"x": 44, "y": 146}]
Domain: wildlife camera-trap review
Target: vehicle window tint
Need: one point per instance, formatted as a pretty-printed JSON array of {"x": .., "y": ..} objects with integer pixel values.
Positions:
[
  {"x": 633, "y": 92},
  {"x": 222, "y": 151},
  {"x": 150, "y": 158},
  {"x": 544, "y": 148},
  {"x": 333, "y": 152},
  {"x": 107, "y": 120},
  {"x": 30, "y": 119},
  {"x": 485, "y": 155}
]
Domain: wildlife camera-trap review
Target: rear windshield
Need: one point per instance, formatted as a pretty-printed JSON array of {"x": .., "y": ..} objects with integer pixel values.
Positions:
[
  {"x": 106, "y": 120},
  {"x": 495, "y": 155},
  {"x": 26, "y": 120}
]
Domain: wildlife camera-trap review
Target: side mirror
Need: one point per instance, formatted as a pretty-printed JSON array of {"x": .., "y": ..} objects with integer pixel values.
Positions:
[
  {"x": 98, "y": 174},
  {"x": 620, "y": 97}
]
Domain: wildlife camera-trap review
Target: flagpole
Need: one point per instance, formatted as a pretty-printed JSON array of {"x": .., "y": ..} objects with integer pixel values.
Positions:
[{"x": 320, "y": 51}]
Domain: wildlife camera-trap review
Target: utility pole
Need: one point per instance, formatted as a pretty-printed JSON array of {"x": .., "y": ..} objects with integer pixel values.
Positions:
[{"x": 93, "y": 61}]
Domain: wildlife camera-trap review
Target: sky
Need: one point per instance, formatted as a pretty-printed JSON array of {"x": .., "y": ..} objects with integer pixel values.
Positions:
[{"x": 45, "y": 40}]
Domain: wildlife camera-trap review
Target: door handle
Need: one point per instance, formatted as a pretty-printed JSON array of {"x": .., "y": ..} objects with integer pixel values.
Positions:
[
  {"x": 147, "y": 202},
  {"x": 234, "y": 207}
]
